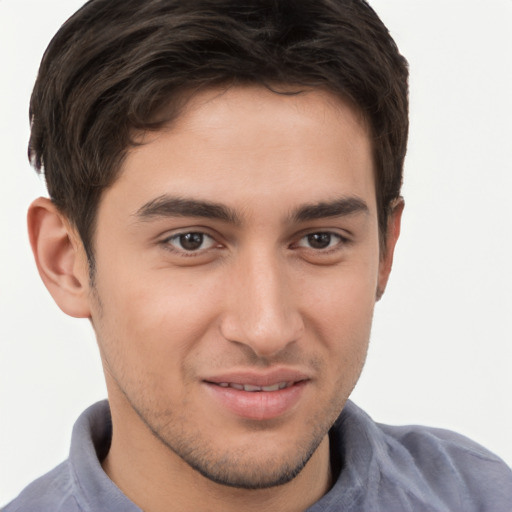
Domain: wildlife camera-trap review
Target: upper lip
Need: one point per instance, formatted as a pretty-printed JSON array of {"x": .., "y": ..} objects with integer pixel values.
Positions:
[{"x": 258, "y": 378}]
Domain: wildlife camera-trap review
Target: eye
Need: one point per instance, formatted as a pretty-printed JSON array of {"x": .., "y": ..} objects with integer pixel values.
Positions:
[
  {"x": 190, "y": 242},
  {"x": 321, "y": 241}
]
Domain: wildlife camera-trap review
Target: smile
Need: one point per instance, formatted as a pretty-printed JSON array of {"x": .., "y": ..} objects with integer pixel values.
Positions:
[
  {"x": 258, "y": 396},
  {"x": 251, "y": 388}
]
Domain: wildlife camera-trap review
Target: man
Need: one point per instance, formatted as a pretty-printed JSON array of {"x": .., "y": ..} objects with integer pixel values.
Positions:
[{"x": 225, "y": 201}]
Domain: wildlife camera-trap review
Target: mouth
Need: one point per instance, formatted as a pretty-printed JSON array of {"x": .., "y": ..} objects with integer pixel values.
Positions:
[
  {"x": 251, "y": 388},
  {"x": 258, "y": 396}
]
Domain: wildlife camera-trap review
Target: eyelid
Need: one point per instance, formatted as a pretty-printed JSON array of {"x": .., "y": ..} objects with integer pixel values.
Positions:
[
  {"x": 326, "y": 256},
  {"x": 165, "y": 241},
  {"x": 343, "y": 235}
]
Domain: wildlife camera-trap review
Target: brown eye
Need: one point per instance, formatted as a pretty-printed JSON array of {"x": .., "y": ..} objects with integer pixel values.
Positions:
[
  {"x": 190, "y": 242},
  {"x": 319, "y": 240}
]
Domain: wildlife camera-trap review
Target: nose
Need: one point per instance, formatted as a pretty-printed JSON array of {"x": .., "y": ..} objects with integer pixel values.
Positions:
[{"x": 262, "y": 311}]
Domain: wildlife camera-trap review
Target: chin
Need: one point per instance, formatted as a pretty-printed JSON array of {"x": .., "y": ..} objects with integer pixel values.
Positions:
[{"x": 243, "y": 472}]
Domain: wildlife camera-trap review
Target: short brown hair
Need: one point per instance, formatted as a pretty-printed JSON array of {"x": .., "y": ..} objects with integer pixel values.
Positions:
[{"x": 116, "y": 65}]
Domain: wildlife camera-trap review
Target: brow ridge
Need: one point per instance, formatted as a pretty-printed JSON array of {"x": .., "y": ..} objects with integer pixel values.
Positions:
[
  {"x": 169, "y": 206},
  {"x": 338, "y": 208}
]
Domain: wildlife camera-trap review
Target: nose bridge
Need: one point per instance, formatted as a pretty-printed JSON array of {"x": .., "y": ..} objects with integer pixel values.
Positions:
[{"x": 262, "y": 312}]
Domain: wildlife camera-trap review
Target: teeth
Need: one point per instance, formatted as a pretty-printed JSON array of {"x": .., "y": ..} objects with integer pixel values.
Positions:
[
  {"x": 251, "y": 388},
  {"x": 275, "y": 387}
]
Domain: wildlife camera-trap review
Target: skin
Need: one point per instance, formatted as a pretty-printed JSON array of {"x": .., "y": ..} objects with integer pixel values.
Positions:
[{"x": 265, "y": 286}]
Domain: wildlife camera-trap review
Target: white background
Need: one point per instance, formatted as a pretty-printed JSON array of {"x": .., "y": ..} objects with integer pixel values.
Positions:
[{"x": 441, "y": 350}]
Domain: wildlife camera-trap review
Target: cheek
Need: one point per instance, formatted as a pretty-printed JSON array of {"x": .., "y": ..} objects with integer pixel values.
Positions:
[
  {"x": 342, "y": 301},
  {"x": 339, "y": 313},
  {"x": 151, "y": 322}
]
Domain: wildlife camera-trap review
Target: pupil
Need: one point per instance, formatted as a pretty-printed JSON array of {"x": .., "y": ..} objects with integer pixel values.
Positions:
[
  {"x": 319, "y": 240},
  {"x": 191, "y": 241}
]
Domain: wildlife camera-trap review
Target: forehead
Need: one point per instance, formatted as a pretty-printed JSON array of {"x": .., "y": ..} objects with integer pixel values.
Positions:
[{"x": 232, "y": 145}]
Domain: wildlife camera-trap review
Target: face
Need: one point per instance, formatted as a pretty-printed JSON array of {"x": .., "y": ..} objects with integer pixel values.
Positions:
[{"x": 237, "y": 264}]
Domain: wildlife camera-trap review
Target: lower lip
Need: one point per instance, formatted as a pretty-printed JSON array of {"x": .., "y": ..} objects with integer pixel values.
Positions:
[{"x": 258, "y": 405}]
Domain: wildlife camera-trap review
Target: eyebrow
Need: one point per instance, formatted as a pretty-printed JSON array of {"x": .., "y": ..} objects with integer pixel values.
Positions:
[
  {"x": 337, "y": 208},
  {"x": 168, "y": 206}
]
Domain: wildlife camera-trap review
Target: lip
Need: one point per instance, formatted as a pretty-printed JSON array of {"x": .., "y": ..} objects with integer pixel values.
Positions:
[
  {"x": 258, "y": 405},
  {"x": 254, "y": 378}
]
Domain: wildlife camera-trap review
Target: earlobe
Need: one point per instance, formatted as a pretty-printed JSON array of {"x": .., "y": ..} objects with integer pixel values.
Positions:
[
  {"x": 393, "y": 232},
  {"x": 60, "y": 258}
]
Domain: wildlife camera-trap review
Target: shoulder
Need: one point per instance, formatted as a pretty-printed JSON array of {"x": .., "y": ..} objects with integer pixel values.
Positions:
[
  {"x": 79, "y": 484},
  {"x": 50, "y": 493},
  {"x": 453, "y": 466},
  {"x": 418, "y": 468}
]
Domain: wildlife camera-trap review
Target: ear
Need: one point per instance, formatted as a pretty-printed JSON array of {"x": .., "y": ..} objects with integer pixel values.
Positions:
[
  {"x": 60, "y": 257},
  {"x": 392, "y": 234}
]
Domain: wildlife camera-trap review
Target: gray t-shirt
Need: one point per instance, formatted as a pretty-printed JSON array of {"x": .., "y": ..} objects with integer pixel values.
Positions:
[{"x": 380, "y": 469}]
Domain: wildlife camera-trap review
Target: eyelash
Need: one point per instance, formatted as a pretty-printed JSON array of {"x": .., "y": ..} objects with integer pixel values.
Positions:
[
  {"x": 178, "y": 237},
  {"x": 341, "y": 241},
  {"x": 168, "y": 243}
]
